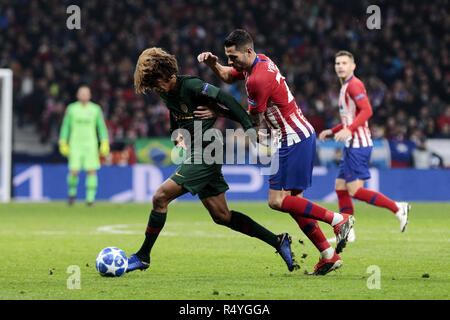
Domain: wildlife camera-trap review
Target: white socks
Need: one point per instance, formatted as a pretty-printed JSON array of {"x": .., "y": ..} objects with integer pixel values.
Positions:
[
  {"x": 336, "y": 218},
  {"x": 327, "y": 253}
]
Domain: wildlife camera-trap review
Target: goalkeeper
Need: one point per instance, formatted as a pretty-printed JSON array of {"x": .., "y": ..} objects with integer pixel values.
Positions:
[{"x": 78, "y": 142}]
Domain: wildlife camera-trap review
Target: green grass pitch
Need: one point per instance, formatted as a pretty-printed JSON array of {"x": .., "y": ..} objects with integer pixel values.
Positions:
[{"x": 195, "y": 259}]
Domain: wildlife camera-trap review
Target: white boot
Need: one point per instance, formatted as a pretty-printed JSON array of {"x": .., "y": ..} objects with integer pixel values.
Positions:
[
  {"x": 402, "y": 214},
  {"x": 351, "y": 235}
]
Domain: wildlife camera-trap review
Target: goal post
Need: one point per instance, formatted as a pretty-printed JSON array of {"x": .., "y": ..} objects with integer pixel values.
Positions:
[{"x": 6, "y": 80}]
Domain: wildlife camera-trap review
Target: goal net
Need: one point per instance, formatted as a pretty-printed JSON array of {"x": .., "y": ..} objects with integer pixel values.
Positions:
[{"x": 5, "y": 134}]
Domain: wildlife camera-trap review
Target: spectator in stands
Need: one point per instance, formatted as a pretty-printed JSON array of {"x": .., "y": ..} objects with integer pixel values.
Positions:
[
  {"x": 444, "y": 119},
  {"x": 445, "y": 132},
  {"x": 50, "y": 61}
]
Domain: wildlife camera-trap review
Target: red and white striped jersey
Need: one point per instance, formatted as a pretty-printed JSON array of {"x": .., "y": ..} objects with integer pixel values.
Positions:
[
  {"x": 268, "y": 92},
  {"x": 355, "y": 111}
]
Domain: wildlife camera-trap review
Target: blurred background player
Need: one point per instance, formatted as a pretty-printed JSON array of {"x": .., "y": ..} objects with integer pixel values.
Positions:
[
  {"x": 156, "y": 70},
  {"x": 79, "y": 143},
  {"x": 355, "y": 111},
  {"x": 269, "y": 97}
]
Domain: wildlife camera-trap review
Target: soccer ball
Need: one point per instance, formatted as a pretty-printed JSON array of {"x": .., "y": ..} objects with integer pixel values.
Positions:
[{"x": 111, "y": 262}]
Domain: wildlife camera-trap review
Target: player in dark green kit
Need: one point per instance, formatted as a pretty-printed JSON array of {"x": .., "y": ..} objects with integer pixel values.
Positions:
[{"x": 156, "y": 70}]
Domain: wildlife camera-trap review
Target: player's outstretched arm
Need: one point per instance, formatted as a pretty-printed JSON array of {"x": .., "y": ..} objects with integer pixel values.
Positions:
[{"x": 212, "y": 61}]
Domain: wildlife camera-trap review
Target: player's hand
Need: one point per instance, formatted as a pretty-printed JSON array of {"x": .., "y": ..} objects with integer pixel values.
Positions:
[
  {"x": 256, "y": 136},
  {"x": 104, "y": 147},
  {"x": 203, "y": 112},
  {"x": 262, "y": 138},
  {"x": 179, "y": 142},
  {"x": 64, "y": 148},
  {"x": 325, "y": 135},
  {"x": 342, "y": 135},
  {"x": 207, "y": 58}
]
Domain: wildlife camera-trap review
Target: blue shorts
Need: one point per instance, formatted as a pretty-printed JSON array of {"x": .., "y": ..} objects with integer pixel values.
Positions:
[
  {"x": 355, "y": 164},
  {"x": 295, "y": 165}
]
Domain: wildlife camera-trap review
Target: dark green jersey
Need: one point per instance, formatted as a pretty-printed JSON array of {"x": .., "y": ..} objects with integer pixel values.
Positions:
[
  {"x": 192, "y": 92},
  {"x": 184, "y": 100}
]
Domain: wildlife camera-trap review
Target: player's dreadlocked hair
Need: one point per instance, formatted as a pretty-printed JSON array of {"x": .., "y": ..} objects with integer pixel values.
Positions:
[
  {"x": 239, "y": 38},
  {"x": 153, "y": 64}
]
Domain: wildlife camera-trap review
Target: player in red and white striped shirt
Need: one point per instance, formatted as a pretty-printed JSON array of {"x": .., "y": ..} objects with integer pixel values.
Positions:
[
  {"x": 355, "y": 111},
  {"x": 269, "y": 97}
]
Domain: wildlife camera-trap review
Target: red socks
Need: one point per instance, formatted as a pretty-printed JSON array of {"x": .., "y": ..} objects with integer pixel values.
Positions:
[
  {"x": 376, "y": 198},
  {"x": 312, "y": 230},
  {"x": 345, "y": 202},
  {"x": 307, "y": 209}
]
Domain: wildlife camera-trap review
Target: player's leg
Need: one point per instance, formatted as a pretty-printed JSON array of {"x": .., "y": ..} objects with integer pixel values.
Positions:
[
  {"x": 344, "y": 199},
  {"x": 356, "y": 190},
  {"x": 329, "y": 260},
  {"x": 91, "y": 163},
  {"x": 72, "y": 183},
  {"x": 302, "y": 207},
  {"x": 355, "y": 171},
  {"x": 311, "y": 229},
  {"x": 165, "y": 194},
  {"x": 91, "y": 186},
  {"x": 400, "y": 209},
  {"x": 306, "y": 213},
  {"x": 345, "y": 203},
  {"x": 74, "y": 163},
  {"x": 237, "y": 221},
  {"x": 295, "y": 172},
  {"x": 296, "y": 164}
]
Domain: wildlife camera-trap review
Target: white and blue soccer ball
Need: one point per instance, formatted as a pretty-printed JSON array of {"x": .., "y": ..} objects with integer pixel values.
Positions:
[{"x": 111, "y": 262}]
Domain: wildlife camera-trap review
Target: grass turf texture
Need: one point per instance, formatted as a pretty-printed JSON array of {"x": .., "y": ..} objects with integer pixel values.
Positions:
[{"x": 195, "y": 259}]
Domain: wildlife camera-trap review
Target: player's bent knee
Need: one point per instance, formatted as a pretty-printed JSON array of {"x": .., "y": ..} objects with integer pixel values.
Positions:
[
  {"x": 221, "y": 218},
  {"x": 340, "y": 185},
  {"x": 352, "y": 192},
  {"x": 275, "y": 203},
  {"x": 160, "y": 200},
  {"x": 218, "y": 220}
]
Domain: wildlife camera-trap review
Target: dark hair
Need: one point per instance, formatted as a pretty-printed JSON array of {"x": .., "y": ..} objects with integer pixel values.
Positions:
[{"x": 239, "y": 38}]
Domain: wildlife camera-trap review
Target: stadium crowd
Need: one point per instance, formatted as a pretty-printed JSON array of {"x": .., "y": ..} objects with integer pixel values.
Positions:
[{"x": 405, "y": 64}]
